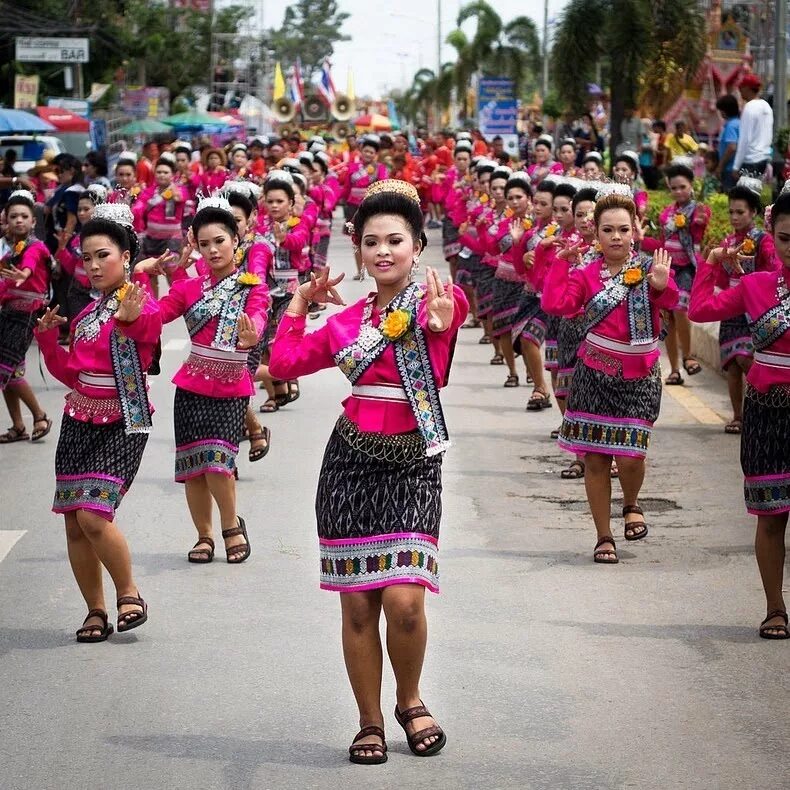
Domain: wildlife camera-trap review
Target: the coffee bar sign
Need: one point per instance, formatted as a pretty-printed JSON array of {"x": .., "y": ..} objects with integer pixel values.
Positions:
[{"x": 52, "y": 50}]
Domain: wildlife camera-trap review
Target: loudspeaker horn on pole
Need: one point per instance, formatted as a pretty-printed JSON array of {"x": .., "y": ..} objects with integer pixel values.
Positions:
[
  {"x": 342, "y": 107},
  {"x": 341, "y": 130},
  {"x": 283, "y": 110}
]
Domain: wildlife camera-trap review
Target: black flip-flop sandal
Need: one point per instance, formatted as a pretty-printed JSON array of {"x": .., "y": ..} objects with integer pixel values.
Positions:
[
  {"x": 497, "y": 359},
  {"x": 511, "y": 381},
  {"x": 632, "y": 525},
  {"x": 203, "y": 555},
  {"x": 605, "y": 556},
  {"x": 269, "y": 406},
  {"x": 233, "y": 551},
  {"x": 674, "y": 379},
  {"x": 139, "y": 617},
  {"x": 693, "y": 368},
  {"x": 733, "y": 427},
  {"x": 293, "y": 390},
  {"x": 413, "y": 739},
  {"x": 538, "y": 401},
  {"x": 574, "y": 471},
  {"x": 485, "y": 340},
  {"x": 764, "y": 629},
  {"x": 256, "y": 453},
  {"x": 14, "y": 435},
  {"x": 84, "y": 633},
  {"x": 40, "y": 433},
  {"x": 354, "y": 750}
]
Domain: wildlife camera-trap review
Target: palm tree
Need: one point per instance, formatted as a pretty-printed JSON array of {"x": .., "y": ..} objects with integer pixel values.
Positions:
[
  {"x": 652, "y": 48},
  {"x": 426, "y": 90}
]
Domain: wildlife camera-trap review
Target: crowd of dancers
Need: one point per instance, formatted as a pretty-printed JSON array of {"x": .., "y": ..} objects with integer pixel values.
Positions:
[{"x": 551, "y": 262}]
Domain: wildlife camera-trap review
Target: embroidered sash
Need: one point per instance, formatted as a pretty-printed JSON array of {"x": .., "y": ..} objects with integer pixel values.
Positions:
[
  {"x": 615, "y": 292},
  {"x": 771, "y": 325},
  {"x": 414, "y": 367},
  {"x": 226, "y": 300},
  {"x": 130, "y": 383},
  {"x": 684, "y": 233},
  {"x": 748, "y": 264}
]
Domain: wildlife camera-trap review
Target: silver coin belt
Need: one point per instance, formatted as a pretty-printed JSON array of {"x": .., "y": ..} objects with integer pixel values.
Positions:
[{"x": 398, "y": 448}]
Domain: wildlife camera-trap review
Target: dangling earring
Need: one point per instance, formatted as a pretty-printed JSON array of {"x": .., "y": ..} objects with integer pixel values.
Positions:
[
  {"x": 415, "y": 267},
  {"x": 127, "y": 269}
]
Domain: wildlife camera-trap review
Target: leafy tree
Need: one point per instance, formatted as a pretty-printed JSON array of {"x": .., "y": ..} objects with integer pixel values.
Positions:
[
  {"x": 652, "y": 49},
  {"x": 310, "y": 30}
]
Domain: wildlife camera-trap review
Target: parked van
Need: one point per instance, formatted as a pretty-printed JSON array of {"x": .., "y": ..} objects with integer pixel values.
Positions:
[{"x": 30, "y": 148}]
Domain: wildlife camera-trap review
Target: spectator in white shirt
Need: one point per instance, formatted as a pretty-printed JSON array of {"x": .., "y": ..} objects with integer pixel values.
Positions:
[{"x": 753, "y": 153}]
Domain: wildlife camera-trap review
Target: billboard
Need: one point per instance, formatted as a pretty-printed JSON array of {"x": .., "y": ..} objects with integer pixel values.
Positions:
[
  {"x": 52, "y": 50},
  {"x": 25, "y": 91},
  {"x": 497, "y": 109}
]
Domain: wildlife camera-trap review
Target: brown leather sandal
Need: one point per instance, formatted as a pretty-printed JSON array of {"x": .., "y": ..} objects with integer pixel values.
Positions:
[
  {"x": 380, "y": 750},
  {"x": 84, "y": 634},
  {"x": 256, "y": 453},
  {"x": 203, "y": 555},
  {"x": 604, "y": 556},
  {"x": 139, "y": 617},
  {"x": 233, "y": 551},
  {"x": 14, "y": 435},
  {"x": 764, "y": 629},
  {"x": 638, "y": 529},
  {"x": 404, "y": 717}
]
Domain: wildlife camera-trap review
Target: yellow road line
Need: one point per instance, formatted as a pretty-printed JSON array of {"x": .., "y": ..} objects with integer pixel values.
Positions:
[{"x": 695, "y": 406}]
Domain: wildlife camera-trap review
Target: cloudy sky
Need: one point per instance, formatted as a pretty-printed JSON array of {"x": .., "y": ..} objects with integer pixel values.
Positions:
[{"x": 388, "y": 46}]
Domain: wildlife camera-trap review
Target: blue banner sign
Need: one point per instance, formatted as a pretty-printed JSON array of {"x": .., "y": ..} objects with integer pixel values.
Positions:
[{"x": 496, "y": 106}]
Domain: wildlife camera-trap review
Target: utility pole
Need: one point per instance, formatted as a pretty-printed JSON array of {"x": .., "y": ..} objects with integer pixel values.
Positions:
[
  {"x": 545, "y": 85},
  {"x": 780, "y": 66},
  {"x": 436, "y": 110}
]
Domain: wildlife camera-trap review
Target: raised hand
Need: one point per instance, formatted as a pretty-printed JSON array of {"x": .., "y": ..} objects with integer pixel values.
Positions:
[
  {"x": 658, "y": 276},
  {"x": 321, "y": 288},
  {"x": 440, "y": 301},
  {"x": 14, "y": 273},
  {"x": 517, "y": 230},
  {"x": 51, "y": 319},
  {"x": 280, "y": 231},
  {"x": 248, "y": 334},
  {"x": 571, "y": 252},
  {"x": 131, "y": 305},
  {"x": 529, "y": 259}
]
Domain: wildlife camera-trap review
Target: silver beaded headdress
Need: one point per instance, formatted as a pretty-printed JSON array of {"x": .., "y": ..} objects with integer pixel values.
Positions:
[
  {"x": 213, "y": 201},
  {"x": 119, "y": 213},
  {"x": 613, "y": 188},
  {"x": 25, "y": 194},
  {"x": 753, "y": 184}
]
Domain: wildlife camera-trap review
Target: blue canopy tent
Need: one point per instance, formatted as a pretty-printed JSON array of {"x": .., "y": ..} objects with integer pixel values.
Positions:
[{"x": 21, "y": 121}]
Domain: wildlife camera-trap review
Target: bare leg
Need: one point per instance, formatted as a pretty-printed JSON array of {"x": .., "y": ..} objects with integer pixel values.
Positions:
[
  {"x": 407, "y": 636},
  {"x": 200, "y": 507},
  {"x": 223, "y": 491},
  {"x": 363, "y": 656},
  {"x": 632, "y": 476},
  {"x": 14, "y": 408},
  {"x": 87, "y": 570},
  {"x": 506, "y": 348},
  {"x": 112, "y": 550},
  {"x": 534, "y": 362},
  {"x": 598, "y": 485},
  {"x": 671, "y": 341},
  {"x": 735, "y": 389},
  {"x": 769, "y": 548},
  {"x": 683, "y": 326}
]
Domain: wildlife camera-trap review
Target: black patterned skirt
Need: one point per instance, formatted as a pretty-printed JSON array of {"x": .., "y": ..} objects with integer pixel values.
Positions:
[
  {"x": 483, "y": 280},
  {"x": 208, "y": 432},
  {"x": 735, "y": 340},
  {"x": 765, "y": 451},
  {"x": 276, "y": 313},
  {"x": 466, "y": 270},
  {"x": 77, "y": 298},
  {"x": 609, "y": 414},
  {"x": 16, "y": 335},
  {"x": 551, "y": 358},
  {"x": 504, "y": 308},
  {"x": 570, "y": 336},
  {"x": 378, "y": 508},
  {"x": 95, "y": 466},
  {"x": 321, "y": 252},
  {"x": 684, "y": 279},
  {"x": 450, "y": 235},
  {"x": 529, "y": 324}
]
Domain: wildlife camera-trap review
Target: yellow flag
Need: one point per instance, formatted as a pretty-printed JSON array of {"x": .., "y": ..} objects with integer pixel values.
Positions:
[
  {"x": 350, "y": 85},
  {"x": 279, "y": 82}
]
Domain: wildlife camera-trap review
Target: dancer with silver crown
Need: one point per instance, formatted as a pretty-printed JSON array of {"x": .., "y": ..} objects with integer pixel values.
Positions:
[
  {"x": 24, "y": 290},
  {"x": 225, "y": 314},
  {"x": 379, "y": 494},
  {"x": 107, "y": 416}
]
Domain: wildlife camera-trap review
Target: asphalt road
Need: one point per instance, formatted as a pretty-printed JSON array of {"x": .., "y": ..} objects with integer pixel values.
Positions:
[{"x": 546, "y": 671}]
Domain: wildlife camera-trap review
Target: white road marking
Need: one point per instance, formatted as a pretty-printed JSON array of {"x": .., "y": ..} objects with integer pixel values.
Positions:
[
  {"x": 176, "y": 344},
  {"x": 8, "y": 537}
]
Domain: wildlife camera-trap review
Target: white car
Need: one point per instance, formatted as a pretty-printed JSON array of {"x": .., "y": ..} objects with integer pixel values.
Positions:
[{"x": 30, "y": 149}]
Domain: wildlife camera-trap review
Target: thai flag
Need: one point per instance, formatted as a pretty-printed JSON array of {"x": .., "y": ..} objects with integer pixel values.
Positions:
[
  {"x": 325, "y": 86},
  {"x": 297, "y": 87}
]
